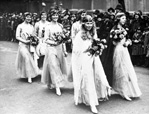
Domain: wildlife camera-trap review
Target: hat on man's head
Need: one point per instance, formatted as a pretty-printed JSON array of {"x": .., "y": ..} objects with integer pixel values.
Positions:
[
  {"x": 119, "y": 7},
  {"x": 81, "y": 11},
  {"x": 96, "y": 12},
  {"x": 111, "y": 9},
  {"x": 137, "y": 13}
]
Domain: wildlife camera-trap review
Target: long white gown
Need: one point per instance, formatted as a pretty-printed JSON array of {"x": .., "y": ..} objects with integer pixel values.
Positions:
[
  {"x": 26, "y": 66},
  {"x": 89, "y": 79},
  {"x": 124, "y": 77},
  {"x": 54, "y": 66}
]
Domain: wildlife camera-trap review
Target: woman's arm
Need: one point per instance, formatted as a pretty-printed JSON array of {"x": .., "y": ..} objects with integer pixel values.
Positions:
[
  {"x": 127, "y": 42},
  {"x": 64, "y": 49},
  {"x": 36, "y": 30},
  {"x": 19, "y": 37},
  {"x": 47, "y": 37}
]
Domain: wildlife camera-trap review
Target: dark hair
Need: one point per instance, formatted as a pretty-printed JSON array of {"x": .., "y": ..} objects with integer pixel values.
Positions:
[
  {"x": 52, "y": 12},
  {"x": 41, "y": 14}
]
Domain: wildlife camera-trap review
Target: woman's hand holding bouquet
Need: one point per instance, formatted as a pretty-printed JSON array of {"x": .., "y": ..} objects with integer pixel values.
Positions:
[{"x": 97, "y": 47}]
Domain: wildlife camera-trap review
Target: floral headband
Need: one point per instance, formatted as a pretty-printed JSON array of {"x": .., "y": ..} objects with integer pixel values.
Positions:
[{"x": 87, "y": 18}]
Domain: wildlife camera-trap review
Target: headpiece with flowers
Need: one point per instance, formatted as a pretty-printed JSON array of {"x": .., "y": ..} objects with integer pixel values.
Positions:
[{"x": 87, "y": 34}]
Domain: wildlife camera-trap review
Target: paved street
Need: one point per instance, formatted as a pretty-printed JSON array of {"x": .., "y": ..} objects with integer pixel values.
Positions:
[{"x": 19, "y": 97}]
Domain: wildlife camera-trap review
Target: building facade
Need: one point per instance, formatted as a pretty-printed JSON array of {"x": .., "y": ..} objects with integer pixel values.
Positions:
[{"x": 36, "y": 5}]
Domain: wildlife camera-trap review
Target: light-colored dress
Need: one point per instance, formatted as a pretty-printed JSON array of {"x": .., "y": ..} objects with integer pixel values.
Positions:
[
  {"x": 54, "y": 66},
  {"x": 76, "y": 27},
  {"x": 89, "y": 79},
  {"x": 124, "y": 77},
  {"x": 39, "y": 32},
  {"x": 26, "y": 66}
]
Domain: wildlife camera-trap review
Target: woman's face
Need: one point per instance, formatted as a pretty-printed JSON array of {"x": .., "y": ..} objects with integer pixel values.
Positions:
[
  {"x": 28, "y": 18},
  {"x": 88, "y": 25},
  {"x": 123, "y": 20},
  {"x": 43, "y": 16},
  {"x": 73, "y": 17},
  {"x": 55, "y": 17},
  {"x": 83, "y": 15}
]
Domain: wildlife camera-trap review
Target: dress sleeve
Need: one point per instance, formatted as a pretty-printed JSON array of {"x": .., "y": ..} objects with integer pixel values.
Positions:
[
  {"x": 73, "y": 31},
  {"x": 18, "y": 32},
  {"x": 36, "y": 29},
  {"x": 47, "y": 36},
  {"x": 47, "y": 33}
]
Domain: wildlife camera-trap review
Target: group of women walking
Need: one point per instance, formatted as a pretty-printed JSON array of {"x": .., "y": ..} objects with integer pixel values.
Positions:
[{"x": 89, "y": 78}]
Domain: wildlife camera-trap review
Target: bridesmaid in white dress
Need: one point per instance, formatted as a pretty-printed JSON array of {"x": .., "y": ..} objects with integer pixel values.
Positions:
[
  {"x": 89, "y": 79},
  {"x": 54, "y": 66},
  {"x": 39, "y": 31},
  {"x": 125, "y": 79},
  {"x": 26, "y": 67}
]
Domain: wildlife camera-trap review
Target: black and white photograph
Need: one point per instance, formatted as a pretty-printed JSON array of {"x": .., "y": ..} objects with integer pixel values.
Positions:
[{"x": 74, "y": 57}]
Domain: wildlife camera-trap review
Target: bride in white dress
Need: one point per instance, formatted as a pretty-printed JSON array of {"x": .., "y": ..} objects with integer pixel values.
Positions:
[{"x": 89, "y": 79}]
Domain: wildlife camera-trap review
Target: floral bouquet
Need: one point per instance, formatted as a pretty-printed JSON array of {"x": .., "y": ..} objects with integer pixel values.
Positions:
[
  {"x": 97, "y": 47},
  {"x": 66, "y": 33},
  {"x": 118, "y": 34},
  {"x": 33, "y": 39},
  {"x": 61, "y": 37}
]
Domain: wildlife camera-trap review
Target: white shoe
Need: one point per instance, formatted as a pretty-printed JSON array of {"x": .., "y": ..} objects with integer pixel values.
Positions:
[
  {"x": 76, "y": 103},
  {"x": 109, "y": 91},
  {"x": 94, "y": 109},
  {"x": 58, "y": 92},
  {"x": 127, "y": 98},
  {"x": 29, "y": 80}
]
